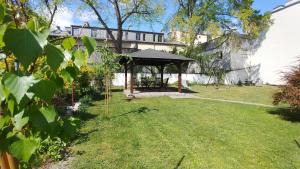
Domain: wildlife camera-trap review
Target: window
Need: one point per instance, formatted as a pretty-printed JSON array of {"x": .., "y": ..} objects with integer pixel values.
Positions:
[
  {"x": 138, "y": 36},
  {"x": 144, "y": 37},
  {"x": 75, "y": 32},
  {"x": 126, "y": 35},
  {"x": 153, "y": 37},
  {"x": 160, "y": 38},
  {"x": 94, "y": 33}
]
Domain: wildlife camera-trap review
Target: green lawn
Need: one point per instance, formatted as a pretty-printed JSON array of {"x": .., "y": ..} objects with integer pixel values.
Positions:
[
  {"x": 261, "y": 95},
  {"x": 163, "y": 133}
]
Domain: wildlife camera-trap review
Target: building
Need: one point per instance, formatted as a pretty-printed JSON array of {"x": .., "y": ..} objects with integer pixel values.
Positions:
[
  {"x": 132, "y": 40},
  {"x": 263, "y": 60},
  {"x": 259, "y": 61},
  {"x": 280, "y": 45}
]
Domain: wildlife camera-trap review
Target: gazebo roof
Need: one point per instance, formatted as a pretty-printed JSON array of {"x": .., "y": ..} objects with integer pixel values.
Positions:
[{"x": 155, "y": 55}]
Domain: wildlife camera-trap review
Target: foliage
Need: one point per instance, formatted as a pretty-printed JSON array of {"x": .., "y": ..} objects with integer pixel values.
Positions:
[
  {"x": 109, "y": 65},
  {"x": 85, "y": 80},
  {"x": 86, "y": 100},
  {"x": 290, "y": 92},
  {"x": 217, "y": 18},
  {"x": 53, "y": 148},
  {"x": 240, "y": 83},
  {"x": 27, "y": 116},
  {"x": 124, "y": 11}
]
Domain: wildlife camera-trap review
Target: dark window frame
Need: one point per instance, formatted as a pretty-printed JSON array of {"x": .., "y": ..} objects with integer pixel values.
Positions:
[
  {"x": 138, "y": 36},
  {"x": 94, "y": 33}
]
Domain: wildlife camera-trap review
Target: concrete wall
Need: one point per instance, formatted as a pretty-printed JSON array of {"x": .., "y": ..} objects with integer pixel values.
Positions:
[
  {"x": 119, "y": 79},
  {"x": 280, "y": 47}
]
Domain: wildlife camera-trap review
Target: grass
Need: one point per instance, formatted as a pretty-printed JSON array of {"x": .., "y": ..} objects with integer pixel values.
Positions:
[
  {"x": 253, "y": 94},
  {"x": 186, "y": 133}
]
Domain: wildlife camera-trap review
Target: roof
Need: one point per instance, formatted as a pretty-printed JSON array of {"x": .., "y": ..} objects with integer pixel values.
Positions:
[
  {"x": 282, "y": 7},
  {"x": 114, "y": 29},
  {"x": 151, "y": 54}
]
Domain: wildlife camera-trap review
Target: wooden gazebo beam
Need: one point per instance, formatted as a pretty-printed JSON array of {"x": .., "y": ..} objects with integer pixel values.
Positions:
[
  {"x": 179, "y": 68},
  {"x": 131, "y": 79},
  {"x": 126, "y": 69}
]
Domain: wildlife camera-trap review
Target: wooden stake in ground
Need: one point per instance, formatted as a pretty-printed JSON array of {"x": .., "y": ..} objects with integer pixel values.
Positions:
[{"x": 7, "y": 161}]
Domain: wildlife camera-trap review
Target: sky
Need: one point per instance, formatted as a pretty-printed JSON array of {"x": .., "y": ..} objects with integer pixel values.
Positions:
[{"x": 69, "y": 15}]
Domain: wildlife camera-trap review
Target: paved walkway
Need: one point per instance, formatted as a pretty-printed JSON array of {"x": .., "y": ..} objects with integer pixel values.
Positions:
[
  {"x": 239, "y": 102},
  {"x": 176, "y": 95}
]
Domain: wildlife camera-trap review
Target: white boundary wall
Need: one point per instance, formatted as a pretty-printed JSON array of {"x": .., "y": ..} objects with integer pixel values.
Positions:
[
  {"x": 119, "y": 79},
  {"x": 281, "y": 47}
]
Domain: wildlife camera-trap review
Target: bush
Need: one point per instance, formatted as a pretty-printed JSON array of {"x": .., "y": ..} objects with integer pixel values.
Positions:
[
  {"x": 290, "y": 93},
  {"x": 240, "y": 83},
  {"x": 86, "y": 100},
  {"x": 53, "y": 148}
]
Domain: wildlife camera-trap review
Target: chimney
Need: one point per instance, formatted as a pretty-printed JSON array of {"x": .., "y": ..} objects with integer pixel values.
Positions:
[{"x": 86, "y": 24}]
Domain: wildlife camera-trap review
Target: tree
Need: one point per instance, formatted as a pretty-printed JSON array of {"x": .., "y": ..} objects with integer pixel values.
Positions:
[
  {"x": 218, "y": 18},
  {"x": 124, "y": 10},
  {"x": 27, "y": 85},
  {"x": 108, "y": 67},
  {"x": 48, "y": 7},
  {"x": 290, "y": 92}
]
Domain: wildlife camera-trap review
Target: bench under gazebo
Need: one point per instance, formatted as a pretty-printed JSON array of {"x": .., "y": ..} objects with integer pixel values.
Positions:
[{"x": 151, "y": 57}]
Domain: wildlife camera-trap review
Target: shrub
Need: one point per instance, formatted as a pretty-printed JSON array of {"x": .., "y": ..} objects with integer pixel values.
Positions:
[
  {"x": 240, "y": 83},
  {"x": 290, "y": 93},
  {"x": 53, "y": 148},
  {"x": 86, "y": 100}
]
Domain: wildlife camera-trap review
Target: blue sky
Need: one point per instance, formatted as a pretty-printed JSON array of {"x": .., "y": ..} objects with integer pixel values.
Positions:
[{"x": 70, "y": 16}]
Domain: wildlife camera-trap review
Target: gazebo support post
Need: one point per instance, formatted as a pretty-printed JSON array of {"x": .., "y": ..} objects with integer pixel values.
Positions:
[
  {"x": 131, "y": 79},
  {"x": 161, "y": 76},
  {"x": 125, "y": 67},
  {"x": 179, "y": 77}
]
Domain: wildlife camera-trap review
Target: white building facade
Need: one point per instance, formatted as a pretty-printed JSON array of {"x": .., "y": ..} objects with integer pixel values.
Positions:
[{"x": 280, "y": 47}]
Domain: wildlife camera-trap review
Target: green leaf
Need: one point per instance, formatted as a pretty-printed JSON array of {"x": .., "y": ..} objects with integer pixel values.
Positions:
[
  {"x": 37, "y": 119},
  {"x": 20, "y": 121},
  {"x": 3, "y": 121},
  {"x": 2, "y": 12},
  {"x": 2, "y": 93},
  {"x": 18, "y": 86},
  {"x": 11, "y": 105},
  {"x": 23, "y": 149},
  {"x": 54, "y": 56},
  {"x": 80, "y": 58},
  {"x": 24, "y": 44},
  {"x": 49, "y": 113},
  {"x": 2, "y": 31},
  {"x": 90, "y": 44},
  {"x": 32, "y": 24},
  {"x": 44, "y": 89},
  {"x": 70, "y": 128},
  {"x": 68, "y": 43},
  {"x": 69, "y": 74}
]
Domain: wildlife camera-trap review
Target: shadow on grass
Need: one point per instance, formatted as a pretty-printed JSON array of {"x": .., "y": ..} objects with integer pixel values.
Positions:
[
  {"x": 141, "y": 110},
  {"x": 287, "y": 114},
  {"x": 85, "y": 116},
  {"x": 179, "y": 162},
  {"x": 117, "y": 90},
  {"x": 84, "y": 137},
  {"x": 169, "y": 89},
  {"x": 297, "y": 143}
]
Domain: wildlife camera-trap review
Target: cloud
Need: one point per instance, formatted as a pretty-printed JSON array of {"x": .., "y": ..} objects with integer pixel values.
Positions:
[
  {"x": 64, "y": 17},
  {"x": 87, "y": 16}
]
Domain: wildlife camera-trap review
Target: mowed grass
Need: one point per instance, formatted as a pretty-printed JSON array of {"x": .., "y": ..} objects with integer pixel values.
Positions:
[
  {"x": 165, "y": 133},
  {"x": 253, "y": 94}
]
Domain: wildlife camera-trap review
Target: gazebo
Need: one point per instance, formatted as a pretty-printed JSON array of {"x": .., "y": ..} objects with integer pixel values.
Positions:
[{"x": 151, "y": 57}]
